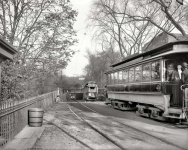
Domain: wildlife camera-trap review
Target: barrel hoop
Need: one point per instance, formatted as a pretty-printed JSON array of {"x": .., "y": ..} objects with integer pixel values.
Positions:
[
  {"x": 36, "y": 111},
  {"x": 35, "y": 117}
]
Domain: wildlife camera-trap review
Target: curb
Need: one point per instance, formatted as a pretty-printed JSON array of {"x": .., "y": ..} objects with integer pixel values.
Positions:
[{"x": 25, "y": 139}]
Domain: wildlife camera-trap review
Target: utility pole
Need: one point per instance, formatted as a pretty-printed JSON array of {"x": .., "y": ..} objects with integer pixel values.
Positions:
[
  {"x": 101, "y": 78},
  {"x": 61, "y": 78}
]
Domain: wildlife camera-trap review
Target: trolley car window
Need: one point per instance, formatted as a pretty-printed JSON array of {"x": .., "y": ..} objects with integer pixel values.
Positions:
[
  {"x": 131, "y": 74},
  {"x": 112, "y": 78},
  {"x": 138, "y": 73},
  {"x": 173, "y": 64},
  {"x": 125, "y": 75},
  {"x": 116, "y": 77},
  {"x": 171, "y": 71},
  {"x": 155, "y": 70},
  {"x": 108, "y": 79},
  {"x": 146, "y": 72},
  {"x": 120, "y": 76}
]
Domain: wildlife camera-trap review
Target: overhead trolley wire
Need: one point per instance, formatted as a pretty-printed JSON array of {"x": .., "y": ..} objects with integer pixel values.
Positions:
[{"x": 75, "y": 69}]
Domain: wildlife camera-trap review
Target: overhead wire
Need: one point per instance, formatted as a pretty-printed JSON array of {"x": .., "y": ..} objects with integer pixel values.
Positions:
[{"x": 75, "y": 69}]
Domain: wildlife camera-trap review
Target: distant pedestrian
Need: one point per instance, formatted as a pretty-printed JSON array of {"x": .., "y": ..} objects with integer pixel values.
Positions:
[
  {"x": 185, "y": 73},
  {"x": 67, "y": 96},
  {"x": 57, "y": 98}
]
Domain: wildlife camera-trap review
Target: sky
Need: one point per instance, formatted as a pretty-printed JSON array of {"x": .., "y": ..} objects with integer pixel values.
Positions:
[{"x": 79, "y": 61}]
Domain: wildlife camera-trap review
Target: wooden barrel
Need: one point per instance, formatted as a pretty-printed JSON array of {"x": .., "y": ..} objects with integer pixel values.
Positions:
[{"x": 35, "y": 117}]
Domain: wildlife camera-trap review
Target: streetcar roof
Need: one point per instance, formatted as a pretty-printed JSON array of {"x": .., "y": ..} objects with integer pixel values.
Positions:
[
  {"x": 6, "y": 49},
  {"x": 155, "y": 51}
]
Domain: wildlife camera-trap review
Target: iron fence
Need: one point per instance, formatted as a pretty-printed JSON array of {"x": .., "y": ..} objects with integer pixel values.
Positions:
[{"x": 14, "y": 114}]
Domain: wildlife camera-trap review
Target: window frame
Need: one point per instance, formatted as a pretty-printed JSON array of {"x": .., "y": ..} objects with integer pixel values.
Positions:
[
  {"x": 120, "y": 81},
  {"x": 149, "y": 63},
  {"x": 133, "y": 74},
  {"x": 160, "y": 75},
  {"x": 112, "y": 78},
  {"x": 123, "y": 71},
  {"x": 140, "y": 73},
  {"x": 109, "y": 78},
  {"x": 116, "y": 77}
]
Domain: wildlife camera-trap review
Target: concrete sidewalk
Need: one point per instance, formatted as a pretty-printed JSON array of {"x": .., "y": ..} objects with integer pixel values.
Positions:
[
  {"x": 25, "y": 139},
  {"x": 64, "y": 130}
]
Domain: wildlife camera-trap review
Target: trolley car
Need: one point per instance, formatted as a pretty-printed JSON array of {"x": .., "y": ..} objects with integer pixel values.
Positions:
[
  {"x": 90, "y": 91},
  {"x": 143, "y": 81}
]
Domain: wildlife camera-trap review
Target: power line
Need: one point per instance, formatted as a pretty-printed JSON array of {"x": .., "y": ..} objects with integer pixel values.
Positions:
[{"x": 79, "y": 52}]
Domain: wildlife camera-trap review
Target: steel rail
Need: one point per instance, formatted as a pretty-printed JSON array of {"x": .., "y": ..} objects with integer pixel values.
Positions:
[
  {"x": 62, "y": 130},
  {"x": 95, "y": 129},
  {"x": 162, "y": 140}
]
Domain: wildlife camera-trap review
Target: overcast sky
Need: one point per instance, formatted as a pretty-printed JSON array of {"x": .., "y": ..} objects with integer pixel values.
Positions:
[{"x": 78, "y": 61}]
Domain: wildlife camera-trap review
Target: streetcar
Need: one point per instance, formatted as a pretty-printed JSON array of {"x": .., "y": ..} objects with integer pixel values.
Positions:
[
  {"x": 142, "y": 82},
  {"x": 90, "y": 91}
]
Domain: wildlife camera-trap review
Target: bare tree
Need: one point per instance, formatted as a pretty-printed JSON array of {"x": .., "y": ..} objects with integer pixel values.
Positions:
[
  {"x": 166, "y": 15},
  {"x": 107, "y": 45},
  {"x": 133, "y": 23},
  {"x": 109, "y": 18}
]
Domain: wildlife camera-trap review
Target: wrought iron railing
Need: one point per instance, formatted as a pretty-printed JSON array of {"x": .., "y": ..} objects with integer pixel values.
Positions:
[{"x": 14, "y": 114}]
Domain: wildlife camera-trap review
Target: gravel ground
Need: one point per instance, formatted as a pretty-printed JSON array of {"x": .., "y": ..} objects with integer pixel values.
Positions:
[
  {"x": 54, "y": 138},
  {"x": 63, "y": 130}
]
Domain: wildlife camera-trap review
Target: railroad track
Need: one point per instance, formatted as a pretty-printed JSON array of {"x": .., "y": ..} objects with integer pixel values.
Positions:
[
  {"x": 86, "y": 123},
  {"x": 92, "y": 127},
  {"x": 108, "y": 138},
  {"x": 64, "y": 131}
]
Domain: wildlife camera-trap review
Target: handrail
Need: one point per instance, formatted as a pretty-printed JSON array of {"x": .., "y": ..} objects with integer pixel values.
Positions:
[
  {"x": 13, "y": 114},
  {"x": 10, "y": 109},
  {"x": 183, "y": 85}
]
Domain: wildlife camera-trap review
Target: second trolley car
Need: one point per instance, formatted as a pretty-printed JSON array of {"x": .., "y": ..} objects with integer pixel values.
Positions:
[{"x": 90, "y": 91}]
